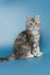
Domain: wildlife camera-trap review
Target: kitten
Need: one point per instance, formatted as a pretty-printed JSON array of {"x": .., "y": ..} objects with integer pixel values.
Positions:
[{"x": 27, "y": 43}]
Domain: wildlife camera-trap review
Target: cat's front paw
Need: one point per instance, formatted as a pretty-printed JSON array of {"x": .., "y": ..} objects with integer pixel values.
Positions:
[{"x": 39, "y": 54}]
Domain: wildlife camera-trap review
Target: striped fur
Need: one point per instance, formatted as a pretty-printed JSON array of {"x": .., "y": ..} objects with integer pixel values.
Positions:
[
  {"x": 11, "y": 57},
  {"x": 27, "y": 43}
]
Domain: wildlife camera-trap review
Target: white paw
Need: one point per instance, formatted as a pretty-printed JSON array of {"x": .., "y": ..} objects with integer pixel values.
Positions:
[
  {"x": 39, "y": 54},
  {"x": 30, "y": 56}
]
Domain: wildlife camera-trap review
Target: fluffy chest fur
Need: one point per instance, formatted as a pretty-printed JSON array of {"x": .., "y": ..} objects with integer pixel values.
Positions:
[
  {"x": 33, "y": 36},
  {"x": 36, "y": 35}
]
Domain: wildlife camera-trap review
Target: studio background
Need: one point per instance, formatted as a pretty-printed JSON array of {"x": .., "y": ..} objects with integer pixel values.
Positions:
[{"x": 13, "y": 21}]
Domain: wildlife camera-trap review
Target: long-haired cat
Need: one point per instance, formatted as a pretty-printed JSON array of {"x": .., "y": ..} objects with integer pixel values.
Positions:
[{"x": 27, "y": 42}]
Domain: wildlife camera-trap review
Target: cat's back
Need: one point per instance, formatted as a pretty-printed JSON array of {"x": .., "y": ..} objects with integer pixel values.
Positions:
[
  {"x": 21, "y": 38},
  {"x": 21, "y": 41},
  {"x": 22, "y": 35}
]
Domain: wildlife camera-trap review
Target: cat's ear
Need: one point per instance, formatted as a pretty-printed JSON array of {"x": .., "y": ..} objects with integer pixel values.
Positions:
[
  {"x": 37, "y": 18},
  {"x": 27, "y": 18}
]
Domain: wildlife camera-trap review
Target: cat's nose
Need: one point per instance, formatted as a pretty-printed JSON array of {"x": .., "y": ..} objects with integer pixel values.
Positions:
[{"x": 33, "y": 25}]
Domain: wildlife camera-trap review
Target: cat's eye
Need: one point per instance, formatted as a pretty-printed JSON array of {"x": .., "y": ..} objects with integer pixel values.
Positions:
[
  {"x": 35, "y": 23},
  {"x": 31, "y": 23}
]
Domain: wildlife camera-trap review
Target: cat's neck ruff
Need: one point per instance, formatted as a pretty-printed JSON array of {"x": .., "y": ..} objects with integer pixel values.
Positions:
[{"x": 34, "y": 32}]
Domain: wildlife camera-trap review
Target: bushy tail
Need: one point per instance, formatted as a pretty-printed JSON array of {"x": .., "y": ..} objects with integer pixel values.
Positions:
[{"x": 11, "y": 57}]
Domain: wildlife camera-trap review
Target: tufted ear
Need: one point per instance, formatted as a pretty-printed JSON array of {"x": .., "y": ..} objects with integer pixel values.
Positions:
[
  {"x": 27, "y": 18},
  {"x": 37, "y": 18}
]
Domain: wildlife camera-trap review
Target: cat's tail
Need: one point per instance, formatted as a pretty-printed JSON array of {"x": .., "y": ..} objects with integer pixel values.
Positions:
[{"x": 11, "y": 57}]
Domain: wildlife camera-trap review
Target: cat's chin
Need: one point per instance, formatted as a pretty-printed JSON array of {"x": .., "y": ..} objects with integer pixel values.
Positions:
[{"x": 38, "y": 29}]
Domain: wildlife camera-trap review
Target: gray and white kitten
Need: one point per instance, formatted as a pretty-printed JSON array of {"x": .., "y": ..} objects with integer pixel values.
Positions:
[{"x": 27, "y": 42}]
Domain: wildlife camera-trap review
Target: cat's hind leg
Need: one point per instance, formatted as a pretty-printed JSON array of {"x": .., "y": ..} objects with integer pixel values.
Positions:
[
  {"x": 29, "y": 55},
  {"x": 23, "y": 56}
]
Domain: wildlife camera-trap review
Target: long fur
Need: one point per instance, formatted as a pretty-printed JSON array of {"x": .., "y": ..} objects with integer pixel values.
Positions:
[{"x": 27, "y": 43}]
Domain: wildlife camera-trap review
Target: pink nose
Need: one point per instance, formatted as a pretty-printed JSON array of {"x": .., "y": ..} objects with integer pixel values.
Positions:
[{"x": 33, "y": 25}]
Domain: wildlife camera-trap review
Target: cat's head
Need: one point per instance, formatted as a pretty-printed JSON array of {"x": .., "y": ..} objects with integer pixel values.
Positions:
[{"x": 33, "y": 23}]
